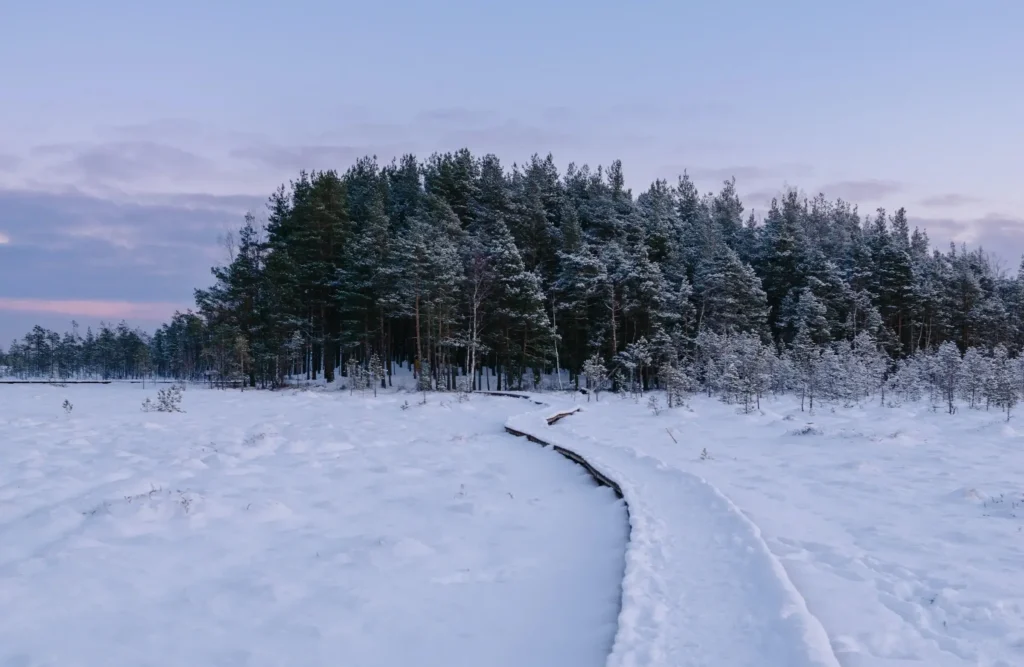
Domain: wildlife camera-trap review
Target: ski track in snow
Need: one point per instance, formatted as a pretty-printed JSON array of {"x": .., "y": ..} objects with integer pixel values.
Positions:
[
  {"x": 301, "y": 528},
  {"x": 701, "y": 586}
]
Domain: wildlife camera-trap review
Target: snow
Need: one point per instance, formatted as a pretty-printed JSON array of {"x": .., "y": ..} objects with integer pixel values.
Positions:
[
  {"x": 902, "y": 528},
  {"x": 701, "y": 586},
  {"x": 316, "y": 527},
  {"x": 299, "y": 528}
]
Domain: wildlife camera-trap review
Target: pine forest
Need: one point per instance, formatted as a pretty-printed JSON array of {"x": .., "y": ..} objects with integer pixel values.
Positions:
[{"x": 471, "y": 275}]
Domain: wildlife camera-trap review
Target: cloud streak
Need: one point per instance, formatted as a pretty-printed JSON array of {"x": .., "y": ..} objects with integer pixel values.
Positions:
[
  {"x": 870, "y": 190},
  {"x": 1000, "y": 235},
  {"x": 294, "y": 158},
  {"x": 124, "y": 161},
  {"x": 744, "y": 173},
  {"x": 949, "y": 200},
  {"x": 9, "y": 162},
  {"x": 98, "y": 309},
  {"x": 76, "y": 247}
]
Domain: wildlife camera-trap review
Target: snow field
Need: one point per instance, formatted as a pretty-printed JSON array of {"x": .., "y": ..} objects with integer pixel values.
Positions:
[
  {"x": 903, "y": 528},
  {"x": 701, "y": 586},
  {"x": 306, "y": 528}
]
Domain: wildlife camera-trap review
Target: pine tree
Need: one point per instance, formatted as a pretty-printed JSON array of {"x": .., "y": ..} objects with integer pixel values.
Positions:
[
  {"x": 634, "y": 360},
  {"x": 782, "y": 257},
  {"x": 1001, "y": 385},
  {"x": 728, "y": 295},
  {"x": 597, "y": 376},
  {"x": 947, "y": 373},
  {"x": 461, "y": 268},
  {"x": 677, "y": 384},
  {"x": 805, "y": 359},
  {"x": 976, "y": 369},
  {"x": 375, "y": 373},
  {"x": 802, "y": 310}
]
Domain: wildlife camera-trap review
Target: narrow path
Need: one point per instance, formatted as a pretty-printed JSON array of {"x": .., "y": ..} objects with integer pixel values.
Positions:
[{"x": 701, "y": 586}]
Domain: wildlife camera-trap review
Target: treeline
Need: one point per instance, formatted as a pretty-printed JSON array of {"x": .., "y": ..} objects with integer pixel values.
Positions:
[
  {"x": 179, "y": 349},
  {"x": 114, "y": 352},
  {"x": 455, "y": 264}
]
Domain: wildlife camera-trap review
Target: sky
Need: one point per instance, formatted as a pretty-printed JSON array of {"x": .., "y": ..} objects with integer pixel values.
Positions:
[{"x": 135, "y": 135}]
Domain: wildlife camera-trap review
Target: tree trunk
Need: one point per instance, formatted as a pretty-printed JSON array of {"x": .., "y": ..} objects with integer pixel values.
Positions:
[
  {"x": 419, "y": 344},
  {"x": 328, "y": 346}
]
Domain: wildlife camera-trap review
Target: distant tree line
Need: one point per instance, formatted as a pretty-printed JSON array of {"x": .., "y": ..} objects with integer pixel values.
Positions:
[
  {"x": 114, "y": 352},
  {"x": 455, "y": 265}
]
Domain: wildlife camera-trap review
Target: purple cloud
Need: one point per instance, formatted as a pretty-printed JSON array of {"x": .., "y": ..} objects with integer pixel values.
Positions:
[
  {"x": 869, "y": 190},
  {"x": 948, "y": 200}
]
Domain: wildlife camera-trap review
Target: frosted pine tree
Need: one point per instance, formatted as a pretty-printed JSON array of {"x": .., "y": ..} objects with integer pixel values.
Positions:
[
  {"x": 946, "y": 370},
  {"x": 752, "y": 361},
  {"x": 873, "y": 365},
  {"x": 730, "y": 381},
  {"x": 844, "y": 373},
  {"x": 375, "y": 373},
  {"x": 597, "y": 376},
  {"x": 710, "y": 354},
  {"x": 805, "y": 358},
  {"x": 908, "y": 380},
  {"x": 728, "y": 295},
  {"x": 677, "y": 384},
  {"x": 801, "y": 308},
  {"x": 423, "y": 380},
  {"x": 975, "y": 377},
  {"x": 1019, "y": 366},
  {"x": 635, "y": 359},
  {"x": 355, "y": 375},
  {"x": 1001, "y": 386},
  {"x": 294, "y": 347}
]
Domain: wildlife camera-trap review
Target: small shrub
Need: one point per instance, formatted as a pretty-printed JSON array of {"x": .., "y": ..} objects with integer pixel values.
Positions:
[
  {"x": 423, "y": 379},
  {"x": 68, "y": 407},
  {"x": 704, "y": 456},
  {"x": 167, "y": 400},
  {"x": 375, "y": 373},
  {"x": 654, "y": 405},
  {"x": 463, "y": 385}
]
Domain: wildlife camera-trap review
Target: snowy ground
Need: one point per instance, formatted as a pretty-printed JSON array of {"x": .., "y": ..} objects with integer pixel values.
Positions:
[
  {"x": 903, "y": 529},
  {"x": 319, "y": 528},
  {"x": 295, "y": 529}
]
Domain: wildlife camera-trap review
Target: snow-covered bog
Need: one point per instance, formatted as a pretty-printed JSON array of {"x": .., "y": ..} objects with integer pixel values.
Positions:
[
  {"x": 298, "y": 528},
  {"x": 902, "y": 528}
]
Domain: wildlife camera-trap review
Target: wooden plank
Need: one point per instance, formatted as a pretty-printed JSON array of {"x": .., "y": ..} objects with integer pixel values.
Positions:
[
  {"x": 509, "y": 395},
  {"x": 553, "y": 419},
  {"x": 597, "y": 475}
]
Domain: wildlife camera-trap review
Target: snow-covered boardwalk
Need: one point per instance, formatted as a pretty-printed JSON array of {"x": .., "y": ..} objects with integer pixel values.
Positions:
[{"x": 701, "y": 586}]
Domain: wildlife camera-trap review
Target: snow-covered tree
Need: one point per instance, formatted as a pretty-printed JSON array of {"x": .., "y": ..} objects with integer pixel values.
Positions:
[
  {"x": 805, "y": 360},
  {"x": 748, "y": 365},
  {"x": 677, "y": 384},
  {"x": 634, "y": 360},
  {"x": 597, "y": 376},
  {"x": 1001, "y": 386},
  {"x": 728, "y": 295},
  {"x": 375, "y": 373},
  {"x": 975, "y": 372},
  {"x": 946, "y": 370}
]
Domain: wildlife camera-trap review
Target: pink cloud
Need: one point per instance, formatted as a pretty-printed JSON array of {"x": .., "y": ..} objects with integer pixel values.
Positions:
[{"x": 96, "y": 309}]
